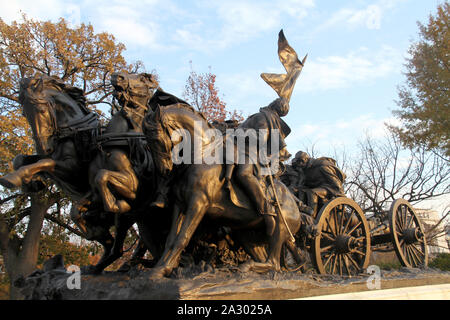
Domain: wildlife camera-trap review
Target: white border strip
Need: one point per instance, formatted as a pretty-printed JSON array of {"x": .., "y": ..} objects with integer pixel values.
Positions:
[{"x": 430, "y": 292}]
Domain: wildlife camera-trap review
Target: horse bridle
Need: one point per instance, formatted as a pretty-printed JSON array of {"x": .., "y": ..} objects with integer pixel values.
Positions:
[
  {"x": 51, "y": 110},
  {"x": 89, "y": 121}
]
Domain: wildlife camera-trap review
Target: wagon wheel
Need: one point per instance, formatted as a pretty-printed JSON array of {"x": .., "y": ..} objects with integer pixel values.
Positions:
[
  {"x": 408, "y": 236},
  {"x": 342, "y": 245}
]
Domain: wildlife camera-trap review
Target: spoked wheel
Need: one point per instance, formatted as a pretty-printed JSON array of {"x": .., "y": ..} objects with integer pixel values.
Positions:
[
  {"x": 408, "y": 236},
  {"x": 342, "y": 245}
]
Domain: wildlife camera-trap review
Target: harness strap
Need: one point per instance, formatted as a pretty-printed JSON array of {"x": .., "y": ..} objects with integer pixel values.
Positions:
[
  {"x": 121, "y": 138},
  {"x": 89, "y": 121}
]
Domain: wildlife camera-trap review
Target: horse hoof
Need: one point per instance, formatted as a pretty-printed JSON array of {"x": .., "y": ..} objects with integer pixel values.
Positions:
[
  {"x": 123, "y": 206},
  {"x": 90, "y": 270},
  {"x": 11, "y": 181},
  {"x": 157, "y": 273},
  {"x": 125, "y": 267}
]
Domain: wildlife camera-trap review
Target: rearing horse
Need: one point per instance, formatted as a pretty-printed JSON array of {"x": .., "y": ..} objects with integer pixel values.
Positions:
[
  {"x": 62, "y": 127},
  {"x": 200, "y": 192},
  {"x": 122, "y": 157},
  {"x": 118, "y": 171},
  {"x": 64, "y": 132}
]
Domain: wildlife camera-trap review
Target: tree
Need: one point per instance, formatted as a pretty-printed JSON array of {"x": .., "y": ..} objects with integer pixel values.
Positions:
[
  {"x": 19, "y": 240},
  {"x": 385, "y": 171},
  {"x": 201, "y": 93},
  {"x": 78, "y": 56},
  {"x": 424, "y": 99}
]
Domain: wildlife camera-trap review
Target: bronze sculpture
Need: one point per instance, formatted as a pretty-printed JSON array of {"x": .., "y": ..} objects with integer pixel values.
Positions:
[
  {"x": 128, "y": 173},
  {"x": 62, "y": 127},
  {"x": 64, "y": 131},
  {"x": 318, "y": 179},
  {"x": 267, "y": 119},
  {"x": 199, "y": 191}
]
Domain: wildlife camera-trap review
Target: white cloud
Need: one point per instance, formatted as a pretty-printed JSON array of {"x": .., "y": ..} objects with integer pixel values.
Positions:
[
  {"x": 42, "y": 10},
  {"x": 239, "y": 21},
  {"x": 326, "y": 135},
  {"x": 205, "y": 26},
  {"x": 369, "y": 17},
  {"x": 333, "y": 72},
  {"x": 127, "y": 21}
]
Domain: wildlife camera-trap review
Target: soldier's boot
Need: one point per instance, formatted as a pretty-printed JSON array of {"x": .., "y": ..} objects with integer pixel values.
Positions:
[
  {"x": 269, "y": 218},
  {"x": 313, "y": 201}
]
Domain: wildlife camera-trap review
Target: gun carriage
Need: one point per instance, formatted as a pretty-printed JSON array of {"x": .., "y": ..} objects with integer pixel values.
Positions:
[{"x": 345, "y": 237}]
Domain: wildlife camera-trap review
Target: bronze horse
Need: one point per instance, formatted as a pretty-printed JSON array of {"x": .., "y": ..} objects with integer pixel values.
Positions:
[
  {"x": 62, "y": 127},
  {"x": 200, "y": 192},
  {"x": 122, "y": 172},
  {"x": 122, "y": 162},
  {"x": 65, "y": 133}
]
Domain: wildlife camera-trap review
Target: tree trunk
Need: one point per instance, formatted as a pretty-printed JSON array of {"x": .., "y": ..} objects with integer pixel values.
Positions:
[{"x": 21, "y": 255}]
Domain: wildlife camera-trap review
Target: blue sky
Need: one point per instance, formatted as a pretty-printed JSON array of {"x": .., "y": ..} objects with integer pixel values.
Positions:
[{"x": 356, "y": 51}]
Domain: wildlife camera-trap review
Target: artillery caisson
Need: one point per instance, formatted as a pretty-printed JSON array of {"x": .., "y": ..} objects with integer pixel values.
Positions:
[{"x": 345, "y": 238}]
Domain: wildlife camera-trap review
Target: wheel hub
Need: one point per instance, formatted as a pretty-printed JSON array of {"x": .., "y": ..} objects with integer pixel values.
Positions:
[
  {"x": 412, "y": 235},
  {"x": 345, "y": 243}
]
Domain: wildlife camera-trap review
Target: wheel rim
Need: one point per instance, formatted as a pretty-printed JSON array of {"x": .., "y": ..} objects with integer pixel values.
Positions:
[
  {"x": 408, "y": 235},
  {"x": 342, "y": 245}
]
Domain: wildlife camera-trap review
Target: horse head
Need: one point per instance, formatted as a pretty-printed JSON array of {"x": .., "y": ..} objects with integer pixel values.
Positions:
[
  {"x": 133, "y": 89},
  {"x": 48, "y": 104},
  {"x": 180, "y": 132},
  {"x": 159, "y": 141}
]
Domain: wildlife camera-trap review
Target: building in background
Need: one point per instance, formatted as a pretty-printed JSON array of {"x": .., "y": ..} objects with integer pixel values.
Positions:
[{"x": 440, "y": 235}]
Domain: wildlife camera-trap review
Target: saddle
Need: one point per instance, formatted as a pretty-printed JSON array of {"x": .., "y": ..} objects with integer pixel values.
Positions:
[{"x": 240, "y": 199}]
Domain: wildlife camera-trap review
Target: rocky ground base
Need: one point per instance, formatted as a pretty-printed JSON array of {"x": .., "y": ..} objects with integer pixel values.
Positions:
[{"x": 203, "y": 282}]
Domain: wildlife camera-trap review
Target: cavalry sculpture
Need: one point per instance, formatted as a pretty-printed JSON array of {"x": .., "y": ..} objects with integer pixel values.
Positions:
[{"x": 160, "y": 164}]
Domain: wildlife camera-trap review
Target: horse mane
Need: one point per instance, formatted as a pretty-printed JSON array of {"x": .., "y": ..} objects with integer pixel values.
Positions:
[
  {"x": 31, "y": 88},
  {"x": 189, "y": 108}
]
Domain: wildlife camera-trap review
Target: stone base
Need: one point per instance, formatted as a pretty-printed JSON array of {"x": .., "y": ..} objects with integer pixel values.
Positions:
[{"x": 216, "y": 285}]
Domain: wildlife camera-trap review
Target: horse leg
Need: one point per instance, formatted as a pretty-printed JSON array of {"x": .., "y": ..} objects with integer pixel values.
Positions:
[
  {"x": 177, "y": 220},
  {"x": 282, "y": 235},
  {"x": 125, "y": 183},
  {"x": 264, "y": 261},
  {"x": 249, "y": 243},
  {"x": 172, "y": 251},
  {"x": 107, "y": 243},
  {"x": 147, "y": 240},
  {"x": 122, "y": 226},
  {"x": 24, "y": 174},
  {"x": 138, "y": 253},
  {"x": 276, "y": 242}
]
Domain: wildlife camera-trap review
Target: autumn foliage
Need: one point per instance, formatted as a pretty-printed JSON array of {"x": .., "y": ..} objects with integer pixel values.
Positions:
[
  {"x": 424, "y": 100},
  {"x": 78, "y": 56},
  {"x": 201, "y": 92},
  {"x": 81, "y": 58}
]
